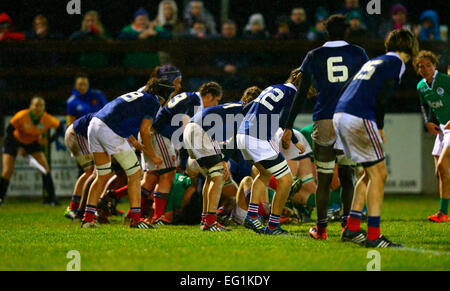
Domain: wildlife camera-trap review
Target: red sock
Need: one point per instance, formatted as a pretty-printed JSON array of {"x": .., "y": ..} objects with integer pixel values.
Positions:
[
  {"x": 89, "y": 213},
  {"x": 373, "y": 233},
  {"x": 160, "y": 204},
  {"x": 273, "y": 183},
  {"x": 261, "y": 211},
  {"x": 353, "y": 223},
  {"x": 121, "y": 192},
  {"x": 135, "y": 214},
  {"x": 210, "y": 218},
  {"x": 74, "y": 205}
]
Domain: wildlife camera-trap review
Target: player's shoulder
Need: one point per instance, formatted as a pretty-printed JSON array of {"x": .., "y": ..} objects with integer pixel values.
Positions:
[
  {"x": 97, "y": 93},
  {"x": 72, "y": 100},
  {"x": 421, "y": 85},
  {"x": 22, "y": 113},
  {"x": 443, "y": 76}
]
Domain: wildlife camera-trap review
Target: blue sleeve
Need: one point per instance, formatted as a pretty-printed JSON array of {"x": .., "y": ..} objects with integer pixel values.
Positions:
[{"x": 307, "y": 65}]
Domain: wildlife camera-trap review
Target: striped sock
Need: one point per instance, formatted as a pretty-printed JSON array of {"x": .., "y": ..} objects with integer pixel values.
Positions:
[
  {"x": 373, "y": 227},
  {"x": 354, "y": 220},
  {"x": 322, "y": 226},
  {"x": 274, "y": 221},
  {"x": 89, "y": 213},
  {"x": 252, "y": 211},
  {"x": 135, "y": 213}
]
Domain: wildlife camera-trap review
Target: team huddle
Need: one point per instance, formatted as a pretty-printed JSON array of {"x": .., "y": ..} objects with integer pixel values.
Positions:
[{"x": 159, "y": 146}]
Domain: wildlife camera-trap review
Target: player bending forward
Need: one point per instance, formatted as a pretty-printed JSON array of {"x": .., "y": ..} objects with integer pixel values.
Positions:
[
  {"x": 354, "y": 122},
  {"x": 255, "y": 140},
  {"x": 109, "y": 134}
]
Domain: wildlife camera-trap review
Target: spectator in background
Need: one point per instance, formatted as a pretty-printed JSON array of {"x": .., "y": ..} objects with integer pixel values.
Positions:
[
  {"x": 141, "y": 29},
  {"x": 430, "y": 26},
  {"x": 41, "y": 30},
  {"x": 194, "y": 12},
  {"x": 231, "y": 63},
  {"x": 398, "y": 20},
  {"x": 351, "y": 5},
  {"x": 299, "y": 25},
  {"x": 91, "y": 29},
  {"x": 167, "y": 18},
  {"x": 355, "y": 30},
  {"x": 6, "y": 29},
  {"x": 283, "y": 28},
  {"x": 318, "y": 31},
  {"x": 255, "y": 28},
  {"x": 83, "y": 100},
  {"x": 197, "y": 31}
]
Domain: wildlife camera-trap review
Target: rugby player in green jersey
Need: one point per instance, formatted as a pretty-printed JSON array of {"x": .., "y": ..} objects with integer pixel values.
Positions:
[{"x": 434, "y": 94}]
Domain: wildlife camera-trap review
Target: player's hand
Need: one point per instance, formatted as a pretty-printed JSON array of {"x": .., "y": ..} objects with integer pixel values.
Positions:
[
  {"x": 300, "y": 147},
  {"x": 157, "y": 161},
  {"x": 138, "y": 146},
  {"x": 434, "y": 129},
  {"x": 383, "y": 139},
  {"x": 286, "y": 139}
]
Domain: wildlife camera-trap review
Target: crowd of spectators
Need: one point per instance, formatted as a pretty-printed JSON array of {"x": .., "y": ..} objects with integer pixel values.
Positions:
[{"x": 196, "y": 22}]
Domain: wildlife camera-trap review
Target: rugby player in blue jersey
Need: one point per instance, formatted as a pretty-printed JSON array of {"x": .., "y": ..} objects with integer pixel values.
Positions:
[
  {"x": 204, "y": 137},
  {"x": 329, "y": 67},
  {"x": 358, "y": 113},
  {"x": 110, "y": 133},
  {"x": 255, "y": 140}
]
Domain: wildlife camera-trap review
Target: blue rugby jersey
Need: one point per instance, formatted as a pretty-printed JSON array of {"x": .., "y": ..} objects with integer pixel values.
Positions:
[
  {"x": 360, "y": 96},
  {"x": 80, "y": 126},
  {"x": 263, "y": 119},
  {"x": 78, "y": 105},
  {"x": 124, "y": 114},
  {"x": 331, "y": 65},
  {"x": 184, "y": 104},
  {"x": 220, "y": 122}
]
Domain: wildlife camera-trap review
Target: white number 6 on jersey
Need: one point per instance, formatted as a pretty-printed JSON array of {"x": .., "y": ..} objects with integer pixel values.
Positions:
[{"x": 331, "y": 69}]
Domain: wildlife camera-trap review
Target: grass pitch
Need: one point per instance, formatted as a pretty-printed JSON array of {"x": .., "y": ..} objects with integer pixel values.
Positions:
[{"x": 36, "y": 237}]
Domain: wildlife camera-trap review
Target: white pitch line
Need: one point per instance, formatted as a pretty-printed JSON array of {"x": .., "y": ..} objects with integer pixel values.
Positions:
[{"x": 417, "y": 250}]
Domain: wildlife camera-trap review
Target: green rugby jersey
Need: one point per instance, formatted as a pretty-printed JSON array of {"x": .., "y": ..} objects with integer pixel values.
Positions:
[
  {"x": 179, "y": 186},
  {"x": 437, "y": 97}
]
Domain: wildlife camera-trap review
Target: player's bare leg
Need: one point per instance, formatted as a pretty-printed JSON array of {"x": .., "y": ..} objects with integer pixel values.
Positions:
[
  {"x": 258, "y": 191},
  {"x": 103, "y": 164},
  {"x": 162, "y": 192}
]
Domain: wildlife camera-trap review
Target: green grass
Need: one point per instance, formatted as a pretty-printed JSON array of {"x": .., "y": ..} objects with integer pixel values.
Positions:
[{"x": 34, "y": 237}]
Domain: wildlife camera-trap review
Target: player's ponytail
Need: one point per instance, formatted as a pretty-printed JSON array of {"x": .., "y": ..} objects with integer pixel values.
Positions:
[{"x": 159, "y": 87}]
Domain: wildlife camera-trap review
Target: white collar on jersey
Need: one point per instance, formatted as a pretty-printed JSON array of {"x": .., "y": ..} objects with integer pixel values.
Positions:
[
  {"x": 200, "y": 97},
  {"x": 291, "y": 86},
  {"x": 335, "y": 43},
  {"x": 432, "y": 83}
]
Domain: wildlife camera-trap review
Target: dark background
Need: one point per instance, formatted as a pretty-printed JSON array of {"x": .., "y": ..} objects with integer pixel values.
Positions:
[{"x": 119, "y": 13}]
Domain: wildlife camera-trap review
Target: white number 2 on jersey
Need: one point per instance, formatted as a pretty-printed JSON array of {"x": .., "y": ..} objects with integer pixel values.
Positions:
[
  {"x": 367, "y": 70},
  {"x": 273, "y": 93},
  {"x": 331, "y": 69},
  {"x": 131, "y": 96}
]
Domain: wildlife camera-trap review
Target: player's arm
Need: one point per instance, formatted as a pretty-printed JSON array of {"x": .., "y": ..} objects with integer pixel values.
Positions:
[
  {"x": 148, "y": 147},
  {"x": 288, "y": 116},
  {"x": 428, "y": 116}
]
